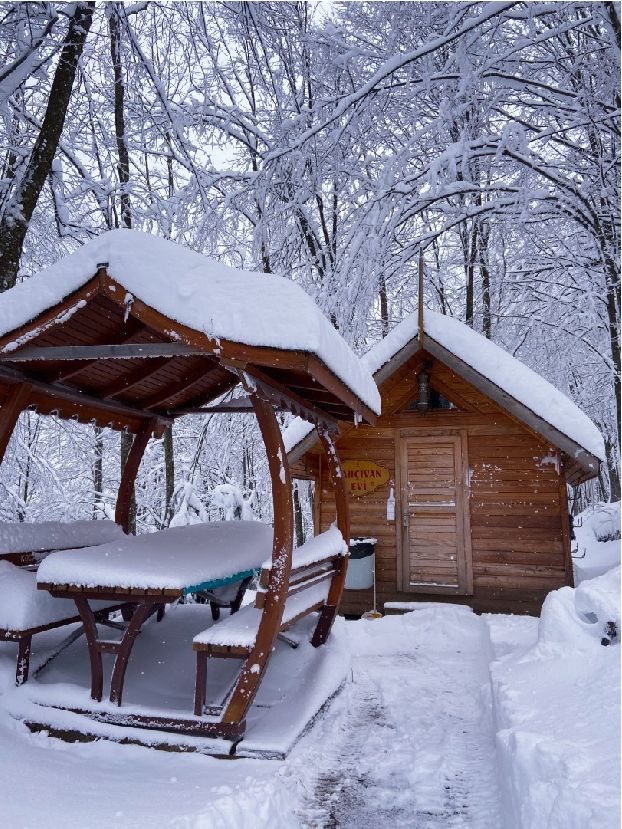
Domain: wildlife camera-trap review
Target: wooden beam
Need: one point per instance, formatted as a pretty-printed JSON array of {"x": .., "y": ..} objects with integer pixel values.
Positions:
[
  {"x": 330, "y": 381},
  {"x": 126, "y": 487},
  {"x": 237, "y": 404},
  {"x": 256, "y": 382},
  {"x": 124, "y": 351},
  {"x": 335, "y": 591},
  {"x": 282, "y": 546},
  {"x": 133, "y": 378},
  {"x": 69, "y": 369},
  {"x": 159, "y": 398},
  {"x": 73, "y": 396},
  {"x": 15, "y": 403},
  {"x": 199, "y": 400},
  {"x": 397, "y": 361}
]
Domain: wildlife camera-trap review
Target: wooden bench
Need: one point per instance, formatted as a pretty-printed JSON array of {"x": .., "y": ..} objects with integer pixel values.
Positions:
[
  {"x": 25, "y": 610},
  {"x": 235, "y": 636}
]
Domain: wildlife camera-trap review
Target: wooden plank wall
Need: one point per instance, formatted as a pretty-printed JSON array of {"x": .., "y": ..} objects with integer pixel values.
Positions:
[{"x": 517, "y": 499}]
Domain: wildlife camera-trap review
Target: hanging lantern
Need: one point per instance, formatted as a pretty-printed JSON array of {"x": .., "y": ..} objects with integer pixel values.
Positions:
[{"x": 423, "y": 380}]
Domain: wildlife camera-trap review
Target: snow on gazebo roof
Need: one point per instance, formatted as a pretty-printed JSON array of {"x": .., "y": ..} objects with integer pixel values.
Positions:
[
  {"x": 491, "y": 363},
  {"x": 254, "y": 309}
]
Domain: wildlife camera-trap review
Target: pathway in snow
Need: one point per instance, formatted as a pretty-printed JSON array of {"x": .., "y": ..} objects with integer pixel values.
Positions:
[{"x": 409, "y": 742}]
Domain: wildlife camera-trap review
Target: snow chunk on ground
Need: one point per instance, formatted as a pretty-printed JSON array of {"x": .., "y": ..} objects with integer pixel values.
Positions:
[
  {"x": 256, "y": 309},
  {"x": 557, "y": 712}
]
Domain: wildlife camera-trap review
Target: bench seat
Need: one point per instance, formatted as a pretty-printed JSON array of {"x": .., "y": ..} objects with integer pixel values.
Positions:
[
  {"x": 23, "y": 607},
  {"x": 240, "y": 629},
  {"x": 314, "y": 568},
  {"x": 25, "y": 610}
]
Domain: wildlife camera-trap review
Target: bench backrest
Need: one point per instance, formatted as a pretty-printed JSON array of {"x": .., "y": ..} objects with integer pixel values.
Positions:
[{"x": 312, "y": 563}]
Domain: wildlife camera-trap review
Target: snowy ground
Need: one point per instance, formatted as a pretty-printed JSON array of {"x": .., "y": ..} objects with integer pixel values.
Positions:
[
  {"x": 418, "y": 737},
  {"x": 410, "y": 742},
  {"x": 597, "y": 545}
]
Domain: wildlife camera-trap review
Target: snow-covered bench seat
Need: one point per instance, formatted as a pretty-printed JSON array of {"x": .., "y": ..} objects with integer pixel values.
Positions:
[
  {"x": 24, "y": 610},
  {"x": 313, "y": 567},
  {"x": 27, "y": 544}
]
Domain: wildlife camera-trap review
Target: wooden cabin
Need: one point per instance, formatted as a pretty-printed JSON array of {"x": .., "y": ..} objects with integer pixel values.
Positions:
[{"x": 477, "y": 450}]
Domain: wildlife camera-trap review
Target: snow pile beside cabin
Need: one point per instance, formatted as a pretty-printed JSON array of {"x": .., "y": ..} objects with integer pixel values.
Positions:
[
  {"x": 597, "y": 532},
  {"x": 256, "y": 309},
  {"x": 493, "y": 363},
  {"x": 557, "y": 712}
]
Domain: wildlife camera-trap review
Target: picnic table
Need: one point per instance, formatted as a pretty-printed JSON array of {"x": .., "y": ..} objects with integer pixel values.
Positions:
[{"x": 151, "y": 571}]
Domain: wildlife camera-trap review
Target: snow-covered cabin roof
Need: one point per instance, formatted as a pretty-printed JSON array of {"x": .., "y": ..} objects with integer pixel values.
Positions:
[
  {"x": 194, "y": 293},
  {"x": 488, "y": 367}
]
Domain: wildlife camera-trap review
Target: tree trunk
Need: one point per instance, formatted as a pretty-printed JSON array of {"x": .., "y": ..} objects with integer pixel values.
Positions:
[
  {"x": 123, "y": 165},
  {"x": 98, "y": 476},
  {"x": 470, "y": 275},
  {"x": 485, "y": 272},
  {"x": 384, "y": 305},
  {"x": 169, "y": 472},
  {"x": 28, "y": 185},
  {"x": 126, "y": 444},
  {"x": 613, "y": 469}
]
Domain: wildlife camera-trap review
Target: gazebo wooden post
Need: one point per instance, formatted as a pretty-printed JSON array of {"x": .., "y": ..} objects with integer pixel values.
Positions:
[
  {"x": 13, "y": 406},
  {"x": 329, "y": 611},
  {"x": 282, "y": 547},
  {"x": 130, "y": 471}
]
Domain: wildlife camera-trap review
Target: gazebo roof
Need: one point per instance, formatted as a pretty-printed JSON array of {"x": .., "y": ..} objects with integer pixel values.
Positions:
[{"x": 133, "y": 326}]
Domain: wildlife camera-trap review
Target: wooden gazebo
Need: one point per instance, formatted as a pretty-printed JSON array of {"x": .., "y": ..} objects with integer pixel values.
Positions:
[{"x": 132, "y": 331}]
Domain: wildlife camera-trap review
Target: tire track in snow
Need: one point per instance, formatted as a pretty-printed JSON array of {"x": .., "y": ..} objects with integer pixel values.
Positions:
[{"x": 409, "y": 742}]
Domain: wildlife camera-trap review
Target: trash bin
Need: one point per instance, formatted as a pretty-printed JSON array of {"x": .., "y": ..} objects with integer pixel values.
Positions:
[{"x": 360, "y": 575}]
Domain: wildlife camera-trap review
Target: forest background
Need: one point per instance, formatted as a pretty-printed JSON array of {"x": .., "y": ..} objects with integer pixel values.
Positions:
[{"x": 330, "y": 143}]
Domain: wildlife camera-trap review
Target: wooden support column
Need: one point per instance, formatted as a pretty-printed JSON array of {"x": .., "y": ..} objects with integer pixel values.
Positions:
[
  {"x": 16, "y": 402},
  {"x": 126, "y": 487},
  {"x": 329, "y": 611},
  {"x": 565, "y": 521},
  {"x": 255, "y": 665}
]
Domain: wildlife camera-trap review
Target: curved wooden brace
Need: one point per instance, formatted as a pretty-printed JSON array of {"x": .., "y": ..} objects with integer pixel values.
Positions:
[
  {"x": 329, "y": 611},
  {"x": 255, "y": 664},
  {"x": 130, "y": 471},
  {"x": 16, "y": 401}
]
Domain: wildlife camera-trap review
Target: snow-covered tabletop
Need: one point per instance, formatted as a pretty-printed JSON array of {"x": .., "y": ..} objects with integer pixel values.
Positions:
[{"x": 181, "y": 558}]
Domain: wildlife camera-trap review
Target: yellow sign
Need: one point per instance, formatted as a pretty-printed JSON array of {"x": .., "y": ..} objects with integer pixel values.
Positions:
[{"x": 363, "y": 477}]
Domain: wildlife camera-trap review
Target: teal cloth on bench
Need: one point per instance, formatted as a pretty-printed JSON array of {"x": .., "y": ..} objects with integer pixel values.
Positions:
[{"x": 212, "y": 585}]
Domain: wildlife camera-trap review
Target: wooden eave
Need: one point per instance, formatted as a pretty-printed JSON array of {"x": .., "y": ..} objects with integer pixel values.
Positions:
[
  {"x": 106, "y": 357},
  {"x": 579, "y": 464}
]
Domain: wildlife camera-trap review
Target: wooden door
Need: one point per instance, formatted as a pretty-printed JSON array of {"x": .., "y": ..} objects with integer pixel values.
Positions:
[{"x": 436, "y": 543}]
